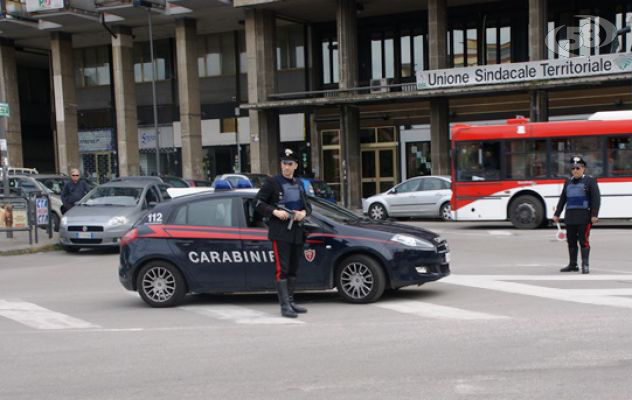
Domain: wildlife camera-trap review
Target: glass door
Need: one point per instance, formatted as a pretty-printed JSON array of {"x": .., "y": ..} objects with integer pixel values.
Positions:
[
  {"x": 378, "y": 170},
  {"x": 104, "y": 167}
]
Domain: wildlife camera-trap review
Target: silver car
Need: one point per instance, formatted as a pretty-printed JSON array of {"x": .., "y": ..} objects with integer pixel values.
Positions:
[
  {"x": 422, "y": 196},
  {"x": 107, "y": 212}
]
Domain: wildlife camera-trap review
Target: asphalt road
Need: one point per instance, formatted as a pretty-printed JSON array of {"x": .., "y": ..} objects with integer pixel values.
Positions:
[{"x": 505, "y": 325}]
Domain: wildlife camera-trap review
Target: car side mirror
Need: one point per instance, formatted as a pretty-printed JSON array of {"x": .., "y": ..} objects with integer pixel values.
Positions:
[{"x": 393, "y": 191}]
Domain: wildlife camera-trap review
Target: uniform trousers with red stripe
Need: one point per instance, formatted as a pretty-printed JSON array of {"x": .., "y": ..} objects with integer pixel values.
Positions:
[
  {"x": 286, "y": 256},
  {"x": 575, "y": 234}
]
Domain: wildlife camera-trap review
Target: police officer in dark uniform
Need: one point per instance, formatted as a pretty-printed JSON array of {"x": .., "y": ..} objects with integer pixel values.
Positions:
[
  {"x": 582, "y": 199},
  {"x": 283, "y": 202}
]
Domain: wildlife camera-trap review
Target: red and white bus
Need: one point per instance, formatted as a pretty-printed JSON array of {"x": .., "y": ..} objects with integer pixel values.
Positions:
[{"x": 516, "y": 171}]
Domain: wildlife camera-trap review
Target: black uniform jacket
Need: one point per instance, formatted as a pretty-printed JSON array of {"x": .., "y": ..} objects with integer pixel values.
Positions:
[
  {"x": 266, "y": 202},
  {"x": 580, "y": 216}
]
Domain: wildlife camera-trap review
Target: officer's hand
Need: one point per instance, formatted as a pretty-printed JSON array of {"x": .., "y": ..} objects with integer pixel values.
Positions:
[
  {"x": 556, "y": 219},
  {"x": 280, "y": 214},
  {"x": 299, "y": 216},
  {"x": 594, "y": 220}
]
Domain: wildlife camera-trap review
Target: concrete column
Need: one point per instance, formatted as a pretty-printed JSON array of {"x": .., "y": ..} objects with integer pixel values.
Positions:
[
  {"x": 539, "y": 110},
  {"x": 65, "y": 101},
  {"x": 347, "y": 26},
  {"x": 189, "y": 95},
  {"x": 439, "y": 107},
  {"x": 440, "y": 136},
  {"x": 351, "y": 157},
  {"x": 125, "y": 101},
  {"x": 262, "y": 82},
  {"x": 9, "y": 94}
]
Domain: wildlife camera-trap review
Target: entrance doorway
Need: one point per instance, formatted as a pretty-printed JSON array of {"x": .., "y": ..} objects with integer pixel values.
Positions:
[
  {"x": 379, "y": 168},
  {"x": 98, "y": 165}
]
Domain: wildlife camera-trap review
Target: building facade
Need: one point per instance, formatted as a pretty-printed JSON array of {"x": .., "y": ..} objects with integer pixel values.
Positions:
[{"x": 364, "y": 90}]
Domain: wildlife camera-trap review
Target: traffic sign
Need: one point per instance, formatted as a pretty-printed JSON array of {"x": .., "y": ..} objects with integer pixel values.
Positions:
[{"x": 4, "y": 110}]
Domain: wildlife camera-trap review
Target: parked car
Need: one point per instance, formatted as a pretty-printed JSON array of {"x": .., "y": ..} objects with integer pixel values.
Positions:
[
  {"x": 257, "y": 180},
  {"x": 29, "y": 184},
  {"x": 198, "y": 183},
  {"x": 108, "y": 211},
  {"x": 422, "y": 196},
  {"x": 171, "y": 181},
  {"x": 22, "y": 171}
]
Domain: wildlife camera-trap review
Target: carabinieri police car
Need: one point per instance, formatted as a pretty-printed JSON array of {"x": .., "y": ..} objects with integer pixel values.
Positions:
[{"x": 217, "y": 243}]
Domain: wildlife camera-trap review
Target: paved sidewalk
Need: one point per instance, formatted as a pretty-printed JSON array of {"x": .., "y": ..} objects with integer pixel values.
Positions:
[{"x": 20, "y": 243}]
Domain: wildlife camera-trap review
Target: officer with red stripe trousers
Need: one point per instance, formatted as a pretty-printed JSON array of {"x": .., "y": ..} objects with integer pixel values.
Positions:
[
  {"x": 282, "y": 200},
  {"x": 582, "y": 199}
]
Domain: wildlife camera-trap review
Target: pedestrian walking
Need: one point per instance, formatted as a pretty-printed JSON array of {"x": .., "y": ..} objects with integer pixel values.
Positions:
[
  {"x": 582, "y": 199},
  {"x": 283, "y": 202},
  {"x": 73, "y": 191}
]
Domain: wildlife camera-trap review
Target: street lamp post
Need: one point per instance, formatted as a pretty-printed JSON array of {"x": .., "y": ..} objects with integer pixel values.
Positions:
[{"x": 153, "y": 89}]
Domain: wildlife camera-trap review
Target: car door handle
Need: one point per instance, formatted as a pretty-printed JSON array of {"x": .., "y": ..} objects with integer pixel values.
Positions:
[
  {"x": 252, "y": 242},
  {"x": 186, "y": 242}
]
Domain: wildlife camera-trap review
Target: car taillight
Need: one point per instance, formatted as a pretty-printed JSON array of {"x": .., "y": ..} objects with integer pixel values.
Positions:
[{"x": 129, "y": 237}]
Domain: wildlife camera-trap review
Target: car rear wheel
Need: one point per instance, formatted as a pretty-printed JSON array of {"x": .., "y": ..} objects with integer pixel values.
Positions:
[
  {"x": 160, "y": 284},
  {"x": 445, "y": 212},
  {"x": 378, "y": 212},
  {"x": 526, "y": 212},
  {"x": 360, "y": 279}
]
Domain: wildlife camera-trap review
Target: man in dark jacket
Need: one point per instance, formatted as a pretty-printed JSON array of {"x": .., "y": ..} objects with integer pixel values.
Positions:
[
  {"x": 283, "y": 202},
  {"x": 73, "y": 191},
  {"x": 582, "y": 199}
]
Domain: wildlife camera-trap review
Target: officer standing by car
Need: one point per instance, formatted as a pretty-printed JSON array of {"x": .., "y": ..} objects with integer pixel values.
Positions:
[
  {"x": 73, "y": 191},
  {"x": 283, "y": 202},
  {"x": 582, "y": 199}
]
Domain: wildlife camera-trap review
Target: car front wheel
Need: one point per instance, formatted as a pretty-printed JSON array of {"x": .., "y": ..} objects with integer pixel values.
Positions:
[
  {"x": 160, "y": 284},
  {"x": 378, "y": 212},
  {"x": 360, "y": 279}
]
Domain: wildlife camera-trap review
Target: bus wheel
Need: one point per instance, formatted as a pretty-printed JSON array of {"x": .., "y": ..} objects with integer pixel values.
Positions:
[{"x": 526, "y": 212}]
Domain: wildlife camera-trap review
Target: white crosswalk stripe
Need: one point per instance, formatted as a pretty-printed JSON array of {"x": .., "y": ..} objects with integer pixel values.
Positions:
[
  {"x": 429, "y": 310},
  {"x": 240, "y": 315},
  {"x": 39, "y": 317},
  {"x": 509, "y": 284}
]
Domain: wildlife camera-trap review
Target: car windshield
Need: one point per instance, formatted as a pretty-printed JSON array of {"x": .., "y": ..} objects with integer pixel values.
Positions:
[
  {"x": 174, "y": 182},
  {"x": 113, "y": 196},
  {"x": 55, "y": 185},
  {"x": 333, "y": 211}
]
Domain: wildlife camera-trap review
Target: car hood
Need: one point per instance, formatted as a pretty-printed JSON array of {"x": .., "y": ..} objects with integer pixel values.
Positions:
[
  {"x": 83, "y": 215},
  {"x": 391, "y": 228}
]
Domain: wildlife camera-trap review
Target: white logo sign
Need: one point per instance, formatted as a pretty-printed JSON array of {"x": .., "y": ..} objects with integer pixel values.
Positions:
[
  {"x": 544, "y": 70},
  {"x": 592, "y": 32}
]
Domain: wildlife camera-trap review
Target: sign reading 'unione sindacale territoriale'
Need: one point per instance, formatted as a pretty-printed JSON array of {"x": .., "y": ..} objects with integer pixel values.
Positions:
[{"x": 576, "y": 67}]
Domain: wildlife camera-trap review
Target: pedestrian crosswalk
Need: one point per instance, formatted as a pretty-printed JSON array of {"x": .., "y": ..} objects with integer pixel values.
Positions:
[{"x": 595, "y": 289}]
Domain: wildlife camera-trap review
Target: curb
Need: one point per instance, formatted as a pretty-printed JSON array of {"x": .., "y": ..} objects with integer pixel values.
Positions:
[{"x": 31, "y": 250}]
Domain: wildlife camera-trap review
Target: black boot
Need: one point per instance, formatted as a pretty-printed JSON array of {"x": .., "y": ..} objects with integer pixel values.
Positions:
[
  {"x": 585, "y": 256},
  {"x": 284, "y": 301},
  {"x": 572, "y": 263},
  {"x": 291, "y": 285}
]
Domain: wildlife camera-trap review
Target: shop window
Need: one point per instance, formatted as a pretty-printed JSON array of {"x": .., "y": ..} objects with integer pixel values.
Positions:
[
  {"x": 216, "y": 55},
  {"x": 92, "y": 66},
  {"x": 329, "y": 53},
  {"x": 290, "y": 50},
  {"x": 143, "y": 71},
  {"x": 418, "y": 161},
  {"x": 228, "y": 125}
]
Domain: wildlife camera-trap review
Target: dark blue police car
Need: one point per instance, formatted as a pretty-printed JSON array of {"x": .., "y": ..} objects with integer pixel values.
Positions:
[{"x": 217, "y": 243}]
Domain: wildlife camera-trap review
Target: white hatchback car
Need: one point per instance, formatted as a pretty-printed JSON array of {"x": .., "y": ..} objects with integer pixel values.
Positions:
[{"x": 421, "y": 196}]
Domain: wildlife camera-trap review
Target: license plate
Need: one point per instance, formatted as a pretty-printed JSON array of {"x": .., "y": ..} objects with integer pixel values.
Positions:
[
  {"x": 447, "y": 257},
  {"x": 84, "y": 235}
]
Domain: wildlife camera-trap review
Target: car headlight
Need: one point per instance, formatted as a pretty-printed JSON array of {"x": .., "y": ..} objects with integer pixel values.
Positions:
[
  {"x": 64, "y": 221},
  {"x": 116, "y": 221},
  {"x": 411, "y": 241}
]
